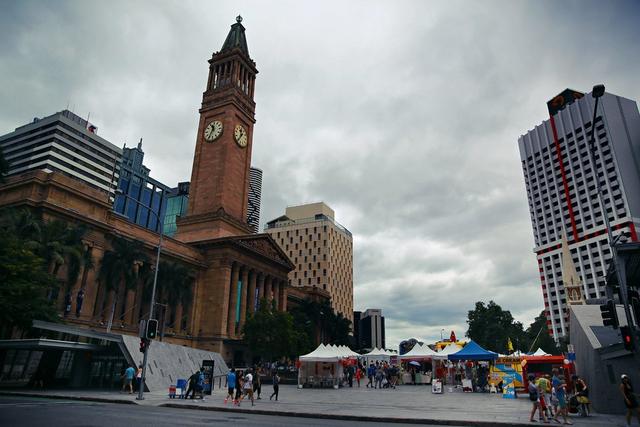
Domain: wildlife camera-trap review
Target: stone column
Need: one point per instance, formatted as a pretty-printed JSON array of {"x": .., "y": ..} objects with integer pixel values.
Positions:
[
  {"x": 276, "y": 290},
  {"x": 268, "y": 289},
  {"x": 261, "y": 287},
  {"x": 91, "y": 285},
  {"x": 283, "y": 293},
  {"x": 243, "y": 298},
  {"x": 252, "y": 292},
  {"x": 231, "y": 322}
]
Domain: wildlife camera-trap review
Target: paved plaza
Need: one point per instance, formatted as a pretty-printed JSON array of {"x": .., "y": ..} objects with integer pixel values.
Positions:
[{"x": 406, "y": 403}]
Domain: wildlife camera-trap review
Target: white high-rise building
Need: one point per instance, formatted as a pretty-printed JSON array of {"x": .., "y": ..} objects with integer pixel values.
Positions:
[
  {"x": 66, "y": 143},
  {"x": 560, "y": 180}
]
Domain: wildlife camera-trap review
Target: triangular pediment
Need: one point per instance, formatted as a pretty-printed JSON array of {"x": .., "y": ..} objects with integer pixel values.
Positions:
[{"x": 266, "y": 246}]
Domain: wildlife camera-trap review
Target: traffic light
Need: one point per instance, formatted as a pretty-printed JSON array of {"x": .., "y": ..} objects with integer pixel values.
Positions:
[
  {"x": 634, "y": 302},
  {"x": 152, "y": 328},
  {"x": 609, "y": 314},
  {"x": 625, "y": 331},
  {"x": 143, "y": 345}
]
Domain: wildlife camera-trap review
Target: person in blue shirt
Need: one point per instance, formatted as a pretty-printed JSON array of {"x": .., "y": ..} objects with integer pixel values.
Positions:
[
  {"x": 128, "y": 375},
  {"x": 371, "y": 371},
  {"x": 231, "y": 385}
]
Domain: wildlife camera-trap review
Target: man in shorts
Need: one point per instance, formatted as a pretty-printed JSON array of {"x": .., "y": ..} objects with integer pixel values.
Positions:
[
  {"x": 128, "y": 375},
  {"x": 231, "y": 385}
]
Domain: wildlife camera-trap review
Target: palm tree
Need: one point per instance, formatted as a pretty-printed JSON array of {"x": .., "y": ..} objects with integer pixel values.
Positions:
[
  {"x": 118, "y": 272},
  {"x": 175, "y": 282}
]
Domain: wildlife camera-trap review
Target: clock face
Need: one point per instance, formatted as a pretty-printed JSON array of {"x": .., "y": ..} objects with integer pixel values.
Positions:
[
  {"x": 213, "y": 131},
  {"x": 240, "y": 135}
]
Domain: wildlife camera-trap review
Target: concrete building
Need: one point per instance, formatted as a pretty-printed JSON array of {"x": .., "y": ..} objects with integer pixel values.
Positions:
[
  {"x": 369, "y": 332},
  {"x": 65, "y": 143},
  {"x": 561, "y": 190},
  {"x": 253, "y": 201},
  {"x": 136, "y": 183},
  {"x": 321, "y": 250},
  {"x": 601, "y": 358}
]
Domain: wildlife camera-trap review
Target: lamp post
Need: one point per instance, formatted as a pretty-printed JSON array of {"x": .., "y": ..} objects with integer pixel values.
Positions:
[
  {"x": 153, "y": 290},
  {"x": 597, "y": 92}
]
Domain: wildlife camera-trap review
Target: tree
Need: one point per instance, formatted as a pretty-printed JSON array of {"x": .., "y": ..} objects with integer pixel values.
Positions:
[
  {"x": 319, "y": 322},
  {"x": 491, "y": 327},
  {"x": 117, "y": 271},
  {"x": 538, "y": 336},
  {"x": 175, "y": 289},
  {"x": 24, "y": 284},
  {"x": 270, "y": 333}
]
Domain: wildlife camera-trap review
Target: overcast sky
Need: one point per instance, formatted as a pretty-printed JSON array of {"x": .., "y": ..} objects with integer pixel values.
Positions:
[{"x": 402, "y": 116}]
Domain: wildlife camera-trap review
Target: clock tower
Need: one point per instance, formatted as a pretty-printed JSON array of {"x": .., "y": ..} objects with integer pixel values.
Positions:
[{"x": 220, "y": 176}]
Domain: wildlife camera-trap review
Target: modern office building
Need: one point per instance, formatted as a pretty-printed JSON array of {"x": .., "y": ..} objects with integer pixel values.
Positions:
[
  {"x": 136, "y": 183},
  {"x": 368, "y": 327},
  {"x": 320, "y": 248},
  {"x": 177, "y": 202},
  {"x": 560, "y": 180},
  {"x": 253, "y": 201},
  {"x": 66, "y": 143}
]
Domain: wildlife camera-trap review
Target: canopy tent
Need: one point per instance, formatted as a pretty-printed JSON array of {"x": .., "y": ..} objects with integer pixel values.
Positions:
[
  {"x": 447, "y": 351},
  {"x": 419, "y": 352},
  {"x": 323, "y": 366},
  {"x": 540, "y": 352},
  {"x": 473, "y": 351}
]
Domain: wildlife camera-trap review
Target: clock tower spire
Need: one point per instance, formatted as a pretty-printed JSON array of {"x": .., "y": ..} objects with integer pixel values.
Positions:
[{"x": 220, "y": 174}]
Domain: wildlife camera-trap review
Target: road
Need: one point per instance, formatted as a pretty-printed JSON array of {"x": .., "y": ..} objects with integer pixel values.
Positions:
[{"x": 27, "y": 411}]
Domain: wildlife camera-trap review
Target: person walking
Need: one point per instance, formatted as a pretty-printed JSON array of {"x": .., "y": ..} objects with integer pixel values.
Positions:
[
  {"x": 231, "y": 385},
  {"x": 379, "y": 376},
  {"x": 247, "y": 388},
  {"x": 276, "y": 385},
  {"x": 371, "y": 371},
  {"x": 535, "y": 396},
  {"x": 257, "y": 383},
  {"x": 560, "y": 388},
  {"x": 239, "y": 386},
  {"x": 139, "y": 377},
  {"x": 127, "y": 377},
  {"x": 358, "y": 374},
  {"x": 630, "y": 400}
]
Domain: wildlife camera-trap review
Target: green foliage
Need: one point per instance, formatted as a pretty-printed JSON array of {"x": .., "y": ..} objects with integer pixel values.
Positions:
[
  {"x": 24, "y": 285},
  {"x": 174, "y": 283},
  {"x": 538, "y": 336},
  {"x": 270, "y": 333},
  {"x": 312, "y": 316},
  {"x": 491, "y": 327},
  {"x": 118, "y": 264}
]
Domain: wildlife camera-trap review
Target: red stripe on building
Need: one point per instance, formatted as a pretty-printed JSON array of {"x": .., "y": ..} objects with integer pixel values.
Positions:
[
  {"x": 634, "y": 235},
  {"x": 565, "y": 183}
]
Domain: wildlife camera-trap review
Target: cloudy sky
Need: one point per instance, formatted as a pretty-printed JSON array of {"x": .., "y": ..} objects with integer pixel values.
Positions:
[{"x": 402, "y": 116}]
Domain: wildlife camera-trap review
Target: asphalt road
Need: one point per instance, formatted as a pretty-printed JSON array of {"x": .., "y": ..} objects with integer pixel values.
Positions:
[{"x": 27, "y": 411}]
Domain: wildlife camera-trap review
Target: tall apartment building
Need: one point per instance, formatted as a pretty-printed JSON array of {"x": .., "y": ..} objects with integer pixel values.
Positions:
[
  {"x": 320, "y": 248},
  {"x": 66, "y": 143},
  {"x": 253, "y": 201},
  {"x": 560, "y": 180},
  {"x": 136, "y": 183}
]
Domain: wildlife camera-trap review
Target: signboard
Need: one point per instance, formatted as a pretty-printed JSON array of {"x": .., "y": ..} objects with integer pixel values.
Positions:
[
  {"x": 436, "y": 387},
  {"x": 508, "y": 387},
  {"x": 183, "y": 188},
  {"x": 208, "y": 366},
  {"x": 563, "y": 99}
]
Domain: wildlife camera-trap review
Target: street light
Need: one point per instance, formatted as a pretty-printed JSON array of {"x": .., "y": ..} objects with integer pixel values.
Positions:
[
  {"x": 153, "y": 290},
  {"x": 597, "y": 92}
]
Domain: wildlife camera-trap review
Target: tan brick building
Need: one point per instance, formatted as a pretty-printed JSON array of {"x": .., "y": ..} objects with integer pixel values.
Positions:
[{"x": 321, "y": 250}]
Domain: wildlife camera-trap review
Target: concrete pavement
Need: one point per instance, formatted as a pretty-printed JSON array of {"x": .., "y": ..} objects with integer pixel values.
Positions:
[{"x": 409, "y": 404}]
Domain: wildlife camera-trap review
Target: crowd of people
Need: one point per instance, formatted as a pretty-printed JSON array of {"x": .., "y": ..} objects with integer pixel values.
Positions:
[
  {"x": 380, "y": 374},
  {"x": 552, "y": 395}
]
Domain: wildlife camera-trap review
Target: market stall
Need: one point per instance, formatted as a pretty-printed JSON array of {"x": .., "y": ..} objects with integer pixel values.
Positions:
[
  {"x": 324, "y": 366},
  {"x": 443, "y": 368},
  {"x": 418, "y": 367},
  {"x": 542, "y": 365},
  {"x": 473, "y": 364}
]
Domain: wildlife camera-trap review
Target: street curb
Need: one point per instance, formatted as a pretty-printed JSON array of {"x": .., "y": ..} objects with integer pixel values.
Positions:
[
  {"x": 83, "y": 398},
  {"x": 364, "y": 418}
]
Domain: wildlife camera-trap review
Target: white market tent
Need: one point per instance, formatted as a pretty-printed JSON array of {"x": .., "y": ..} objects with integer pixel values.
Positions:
[
  {"x": 448, "y": 350},
  {"x": 419, "y": 352},
  {"x": 378, "y": 354},
  {"x": 323, "y": 366},
  {"x": 540, "y": 352}
]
